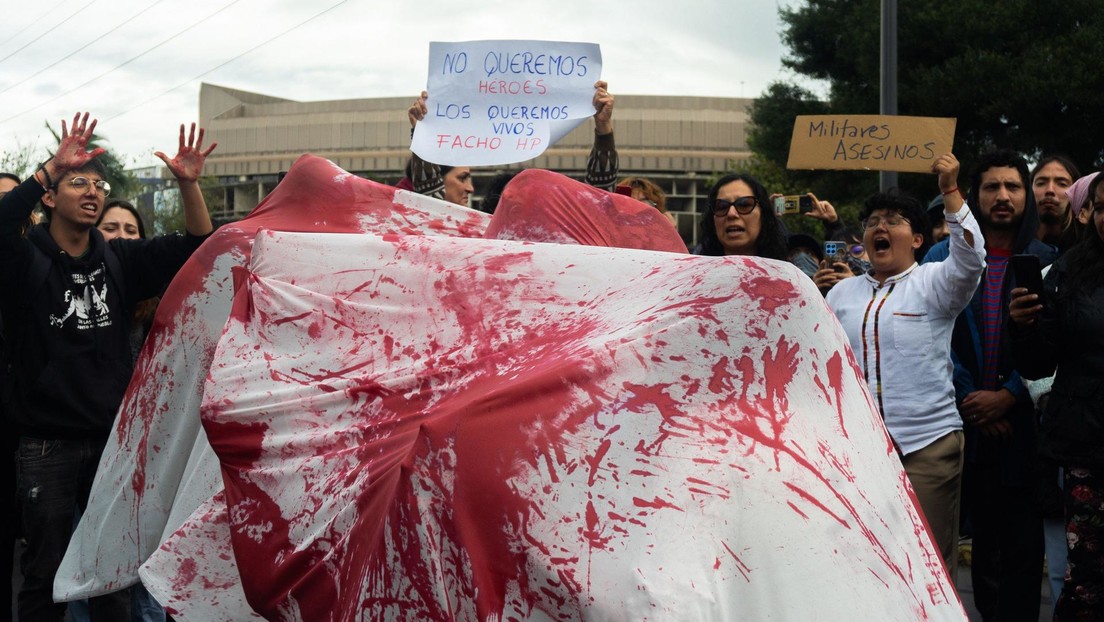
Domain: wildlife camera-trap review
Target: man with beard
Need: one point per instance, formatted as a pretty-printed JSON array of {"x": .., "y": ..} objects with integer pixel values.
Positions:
[
  {"x": 1051, "y": 180},
  {"x": 999, "y": 478}
]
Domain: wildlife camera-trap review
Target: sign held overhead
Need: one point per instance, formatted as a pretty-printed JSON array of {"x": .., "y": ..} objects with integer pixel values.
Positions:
[{"x": 869, "y": 142}]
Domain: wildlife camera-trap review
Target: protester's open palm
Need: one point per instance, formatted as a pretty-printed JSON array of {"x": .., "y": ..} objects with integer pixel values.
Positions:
[
  {"x": 72, "y": 152},
  {"x": 187, "y": 164}
]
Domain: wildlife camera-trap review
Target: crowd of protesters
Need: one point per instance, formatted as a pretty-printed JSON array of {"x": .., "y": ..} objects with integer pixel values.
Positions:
[{"x": 989, "y": 388}]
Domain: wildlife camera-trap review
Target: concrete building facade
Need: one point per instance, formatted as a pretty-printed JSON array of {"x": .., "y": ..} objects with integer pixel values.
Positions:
[{"x": 678, "y": 142}]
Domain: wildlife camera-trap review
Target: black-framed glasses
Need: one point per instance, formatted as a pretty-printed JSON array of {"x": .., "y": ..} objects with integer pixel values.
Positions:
[
  {"x": 743, "y": 205},
  {"x": 893, "y": 220},
  {"x": 82, "y": 183},
  {"x": 856, "y": 250}
]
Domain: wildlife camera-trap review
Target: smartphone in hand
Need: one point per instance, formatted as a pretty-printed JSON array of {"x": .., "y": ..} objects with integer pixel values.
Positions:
[
  {"x": 793, "y": 204},
  {"x": 1028, "y": 273}
]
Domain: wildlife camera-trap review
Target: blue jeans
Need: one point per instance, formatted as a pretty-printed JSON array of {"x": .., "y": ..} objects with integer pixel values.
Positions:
[{"x": 53, "y": 480}]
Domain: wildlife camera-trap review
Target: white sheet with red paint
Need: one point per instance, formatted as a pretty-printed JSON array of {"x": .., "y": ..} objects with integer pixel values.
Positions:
[
  {"x": 157, "y": 468},
  {"x": 194, "y": 573},
  {"x": 445, "y": 429}
]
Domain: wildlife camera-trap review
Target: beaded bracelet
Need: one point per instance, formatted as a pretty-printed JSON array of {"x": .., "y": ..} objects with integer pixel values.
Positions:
[{"x": 49, "y": 182}]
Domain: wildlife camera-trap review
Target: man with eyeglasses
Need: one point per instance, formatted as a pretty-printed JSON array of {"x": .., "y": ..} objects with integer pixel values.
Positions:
[
  {"x": 1000, "y": 480},
  {"x": 69, "y": 297},
  {"x": 899, "y": 317}
]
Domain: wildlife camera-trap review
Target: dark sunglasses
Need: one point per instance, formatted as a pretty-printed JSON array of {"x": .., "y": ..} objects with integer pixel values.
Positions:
[{"x": 743, "y": 205}]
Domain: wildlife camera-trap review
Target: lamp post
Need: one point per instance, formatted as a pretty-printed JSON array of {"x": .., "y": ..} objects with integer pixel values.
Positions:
[{"x": 887, "y": 179}]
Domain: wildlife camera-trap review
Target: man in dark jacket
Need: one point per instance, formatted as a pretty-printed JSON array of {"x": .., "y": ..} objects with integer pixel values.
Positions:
[
  {"x": 8, "y": 182},
  {"x": 69, "y": 297},
  {"x": 997, "y": 410}
]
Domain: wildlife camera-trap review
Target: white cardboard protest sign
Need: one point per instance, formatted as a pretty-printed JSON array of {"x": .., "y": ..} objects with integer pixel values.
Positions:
[{"x": 501, "y": 102}]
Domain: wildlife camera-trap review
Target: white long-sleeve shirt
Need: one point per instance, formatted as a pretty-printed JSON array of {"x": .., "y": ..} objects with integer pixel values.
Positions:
[{"x": 900, "y": 332}]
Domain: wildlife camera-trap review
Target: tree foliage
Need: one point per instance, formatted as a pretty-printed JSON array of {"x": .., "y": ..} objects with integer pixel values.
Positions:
[
  {"x": 20, "y": 160},
  {"x": 1019, "y": 74}
]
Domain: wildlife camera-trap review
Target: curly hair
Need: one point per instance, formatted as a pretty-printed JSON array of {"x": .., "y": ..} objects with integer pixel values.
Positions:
[
  {"x": 771, "y": 242},
  {"x": 908, "y": 207},
  {"x": 651, "y": 191}
]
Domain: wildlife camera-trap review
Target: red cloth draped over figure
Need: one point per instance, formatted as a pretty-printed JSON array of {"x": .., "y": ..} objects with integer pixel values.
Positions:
[{"x": 451, "y": 428}]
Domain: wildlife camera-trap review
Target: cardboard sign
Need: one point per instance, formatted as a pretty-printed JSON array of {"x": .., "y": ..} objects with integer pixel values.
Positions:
[
  {"x": 501, "y": 102},
  {"x": 869, "y": 142}
]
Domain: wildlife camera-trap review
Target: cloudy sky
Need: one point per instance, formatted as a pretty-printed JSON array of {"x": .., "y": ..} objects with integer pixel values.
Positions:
[{"x": 137, "y": 64}]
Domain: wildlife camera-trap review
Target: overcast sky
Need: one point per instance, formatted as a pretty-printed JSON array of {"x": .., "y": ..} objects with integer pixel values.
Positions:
[{"x": 137, "y": 64}]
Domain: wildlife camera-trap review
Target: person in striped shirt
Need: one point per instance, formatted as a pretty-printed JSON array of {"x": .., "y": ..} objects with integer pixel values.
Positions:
[{"x": 1000, "y": 496}]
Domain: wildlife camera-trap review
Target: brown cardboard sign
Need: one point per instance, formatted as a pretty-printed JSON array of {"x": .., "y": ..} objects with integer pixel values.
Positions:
[{"x": 869, "y": 142}]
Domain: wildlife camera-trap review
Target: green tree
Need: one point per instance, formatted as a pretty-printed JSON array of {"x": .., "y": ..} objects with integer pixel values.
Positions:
[
  {"x": 1020, "y": 74},
  {"x": 20, "y": 161},
  {"x": 168, "y": 213}
]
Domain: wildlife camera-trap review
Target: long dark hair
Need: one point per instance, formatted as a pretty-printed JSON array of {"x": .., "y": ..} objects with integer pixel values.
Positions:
[
  {"x": 1085, "y": 261},
  {"x": 771, "y": 242},
  {"x": 123, "y": 204}
]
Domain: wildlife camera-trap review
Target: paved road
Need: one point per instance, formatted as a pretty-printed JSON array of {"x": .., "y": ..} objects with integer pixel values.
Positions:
[{"x": 966, "y": 593}]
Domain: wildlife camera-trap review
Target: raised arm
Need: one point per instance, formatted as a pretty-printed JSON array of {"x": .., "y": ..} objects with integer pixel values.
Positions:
[
  {"x": 424, "y": 176},
  {"x": 187, "y": 166},
  {"x": 602, "y": 165},
  {"x": 603, "y": 108},
  {"x": 958, "y": 276},
  {"x": 72, "y": 153},
  {"x": 946, "y": 167}
]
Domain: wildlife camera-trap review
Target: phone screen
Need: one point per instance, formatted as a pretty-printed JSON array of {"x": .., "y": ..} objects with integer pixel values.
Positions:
[{"x": 1028, "y": 273}]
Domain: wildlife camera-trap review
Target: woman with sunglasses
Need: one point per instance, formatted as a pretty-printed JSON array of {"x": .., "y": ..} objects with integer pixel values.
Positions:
[
  {"x": 738, "y": 220},
  {"x": 898, "y": 318},
  {"x": 1061, "y": 331}
]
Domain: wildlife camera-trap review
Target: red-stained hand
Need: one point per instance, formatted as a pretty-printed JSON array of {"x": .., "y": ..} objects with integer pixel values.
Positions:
[
  {"x": 72, "y": 151},
  {"x": 187, "y": 164}
]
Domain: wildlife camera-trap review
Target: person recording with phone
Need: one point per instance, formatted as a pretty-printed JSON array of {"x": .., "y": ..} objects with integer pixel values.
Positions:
[
  {"x": 898, "y": 318},
  {"x": 1060, "y": 330},
  {"x": 1002, "y": 479},
  {"x": 847, "y": 256}
]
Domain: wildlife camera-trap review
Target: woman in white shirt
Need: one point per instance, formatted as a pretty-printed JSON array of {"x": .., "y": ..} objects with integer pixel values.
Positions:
[{"x": 898, "y": 318}]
